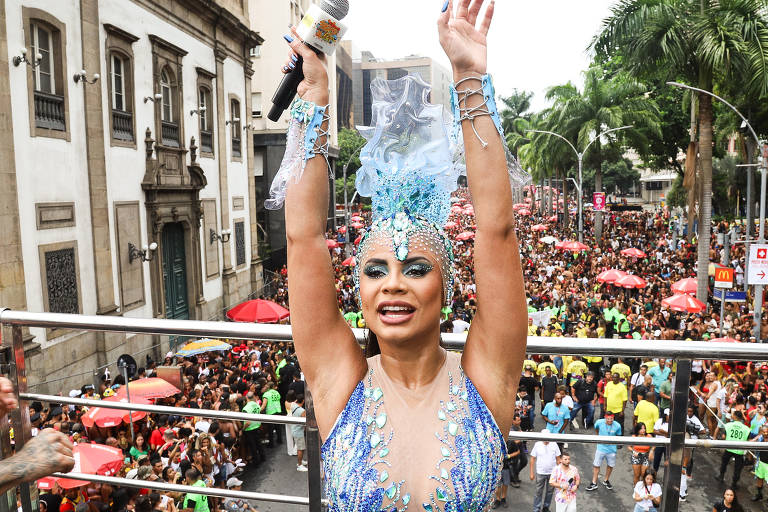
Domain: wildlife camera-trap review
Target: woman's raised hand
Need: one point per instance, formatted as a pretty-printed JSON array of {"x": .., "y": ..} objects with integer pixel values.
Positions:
[
  {"x": 464, "y": 42},
  {"x": 314, "y": 87}
]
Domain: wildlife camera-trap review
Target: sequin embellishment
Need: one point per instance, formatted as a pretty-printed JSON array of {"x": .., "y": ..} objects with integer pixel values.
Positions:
[{"x": 468, "y": 465}]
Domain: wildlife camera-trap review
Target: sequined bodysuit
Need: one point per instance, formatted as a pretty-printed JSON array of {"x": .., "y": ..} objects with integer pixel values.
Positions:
[{"x": 393, "y": 449}]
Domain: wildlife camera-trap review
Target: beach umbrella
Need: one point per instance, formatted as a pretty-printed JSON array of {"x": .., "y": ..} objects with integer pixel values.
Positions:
[
  {"x": 524, "y": 211},
  {"x": 633, "y": 253},
  {"x": 196, "y": 347},
  {"x": 574, "y": 246},
  {"x": 631, "y": 281},
  {"x": 349, "y": 262},
  {"x": 684, "y": 303},
  {"x": 104, "y": 417},
  {"x": 517, "y": 206},
  {"x": 549, "y": 240},
  {"x": 466, "y": 235},
  {"x": 331, "y": 244},
  {"x": 611, "y": 276},
  {"x": 90, "y": 458},
  {"x": 539, "y": 227},
  {"x": 356, "y": 218},
  {"x": 148, "y": 388},
  {"x": 687, "y": 285},
  {"x": 260, "y": 311}
]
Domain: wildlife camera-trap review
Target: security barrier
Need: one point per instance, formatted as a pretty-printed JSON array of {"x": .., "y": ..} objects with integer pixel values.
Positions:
[{"x": 682, "y": 351}]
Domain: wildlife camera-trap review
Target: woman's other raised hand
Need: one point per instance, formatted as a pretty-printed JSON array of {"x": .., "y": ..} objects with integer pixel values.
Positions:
[{"x": 463, "y": 39}]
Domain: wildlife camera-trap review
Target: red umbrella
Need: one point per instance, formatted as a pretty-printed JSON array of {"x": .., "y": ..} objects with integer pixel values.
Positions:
[
  {"x": 687, "y": 285},
  {"x": 611, "y": 276},
  {"x": 539, "y": 227},
  {"x": 258, "y": 310},
  {"x": 356, "y": 218},
  {"x": 633, "y": 253},
  {"x": 684, "y": 303},
  {"x": 631, "y": 281},
  {"x": 349, "y": 262},
  {"x": 726, "y": 339},
  {"x": 517, "y": 206},
  {"x": 357, "y": 225},
  {"x": 469, "y": 211},
  {"x": 149, "y": 388},
  {"x": 528, "y": 200},
  {"x": 92, "y": 459},
  {"x": 552, "y": 218},
  {"x": 103, "y": 417},
  {"x": 342, "y": 229},
  {"x": 466, "y": 235},
  {"x": 331, "y": 244},
  {"x": 450, "y": 225},
  {"x": 524, "y": 211},
  {"x": 358, "y": 239},
  {"x": 456, "y": 209},
  {"x": 574, "y": 246}
]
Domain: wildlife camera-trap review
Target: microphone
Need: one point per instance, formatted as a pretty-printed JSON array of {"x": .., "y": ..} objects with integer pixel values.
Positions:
[{"x": 321, "y": 30}]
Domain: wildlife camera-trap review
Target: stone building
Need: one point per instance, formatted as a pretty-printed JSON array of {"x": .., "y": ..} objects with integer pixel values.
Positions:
[{"x": 153, "y": 151}]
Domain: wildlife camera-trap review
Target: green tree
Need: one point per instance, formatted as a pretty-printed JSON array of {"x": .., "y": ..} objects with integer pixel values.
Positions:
[
  {"x": 605, "y": 102},
  {"x": 350, "y": 144},
  {"x": 515, "y": 118},
  {"x": 703, "y": 42}
]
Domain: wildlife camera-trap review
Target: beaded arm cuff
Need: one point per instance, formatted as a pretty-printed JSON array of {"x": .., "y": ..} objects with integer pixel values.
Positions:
[
  {"x": 305, "y": 133},
  {"x": 517, "y": 176}
]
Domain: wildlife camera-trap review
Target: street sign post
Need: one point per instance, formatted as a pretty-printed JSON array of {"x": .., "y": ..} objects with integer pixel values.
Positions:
[
  {"x": 598, "y": 201},
  {"x": 758, "y": 264},
  {"x": 730, "y": 295},
  {"x": 724, "y": 277}
]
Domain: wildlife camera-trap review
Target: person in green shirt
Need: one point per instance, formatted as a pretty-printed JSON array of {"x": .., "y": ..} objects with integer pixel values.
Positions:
[
  {"x": 735, "y": 430},
  {"x": 252, "y": 430},
  {"x": 665, "y": 392},
  {"x": 194, "y": 502},
  {"x": 270, "y": 404}
]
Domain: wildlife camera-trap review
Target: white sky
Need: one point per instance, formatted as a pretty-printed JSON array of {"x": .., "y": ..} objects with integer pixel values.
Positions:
[{"x": 533, "y": 44}]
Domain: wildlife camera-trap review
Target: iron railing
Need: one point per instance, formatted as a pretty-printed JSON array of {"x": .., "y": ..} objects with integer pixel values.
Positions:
[
  {"x": 206, "y": 141},
  {"x": 236, "y": 147},
  {"x": 122, "y": 125},
  {"x": 170, "y": 133},
  {"x": 682, "y": 351},
  {"x": 49, "y": 111}
]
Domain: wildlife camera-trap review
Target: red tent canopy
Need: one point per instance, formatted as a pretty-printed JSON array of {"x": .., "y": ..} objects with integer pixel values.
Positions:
[{"x": 258, "y": 310}]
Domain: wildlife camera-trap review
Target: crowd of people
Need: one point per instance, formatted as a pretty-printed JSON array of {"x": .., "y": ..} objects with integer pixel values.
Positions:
[{"x": 608, "y": 396}]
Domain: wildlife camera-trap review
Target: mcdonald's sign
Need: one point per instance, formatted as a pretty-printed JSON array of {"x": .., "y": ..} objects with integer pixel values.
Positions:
[{"x": 723, "y": 277}]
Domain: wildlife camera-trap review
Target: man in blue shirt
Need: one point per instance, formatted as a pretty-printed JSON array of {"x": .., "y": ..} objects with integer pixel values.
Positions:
[
  {"x": 659, "y": 374},
  {"x": 556, "y": 415},
  {"x": 605, "y": 452}
]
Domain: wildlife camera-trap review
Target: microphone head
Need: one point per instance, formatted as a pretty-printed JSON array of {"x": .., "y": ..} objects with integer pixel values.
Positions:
[{"x": 336, "y": 8}]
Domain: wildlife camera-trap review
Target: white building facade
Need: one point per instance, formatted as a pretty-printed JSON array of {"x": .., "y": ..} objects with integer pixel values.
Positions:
[{"x": 154, "y": 151}]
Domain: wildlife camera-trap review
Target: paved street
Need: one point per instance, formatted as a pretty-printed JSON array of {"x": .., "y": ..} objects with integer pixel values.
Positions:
[{"x": 278, "y": 475}]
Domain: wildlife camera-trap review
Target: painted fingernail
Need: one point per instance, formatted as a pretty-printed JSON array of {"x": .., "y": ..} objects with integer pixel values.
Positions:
[
  {"x": 288, "y": 38},
  {"x": 291, "y": 66},
  {"x": 445, "y": 6},
  {"x": 294, "y": 58},
  {"x": 285, "y": 68}
]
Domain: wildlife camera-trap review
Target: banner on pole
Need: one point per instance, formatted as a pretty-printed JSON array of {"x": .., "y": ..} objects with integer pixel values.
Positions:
[{"x": 598, "y": 201}]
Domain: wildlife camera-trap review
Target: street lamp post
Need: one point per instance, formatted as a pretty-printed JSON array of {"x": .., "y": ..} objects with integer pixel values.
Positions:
[
  {"x": 758, "y": 299},
  {"x": 580, "y": 158}
]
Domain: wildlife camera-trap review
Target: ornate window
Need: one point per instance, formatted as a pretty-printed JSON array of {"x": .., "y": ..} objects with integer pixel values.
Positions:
[
  {"x": 234, "y": 124},
  {"x": 120, "y": 85},
  {"x": 169, "y": 109},
  {"x": 42, "y": 46},
  {"x": 239, "y": 243},
  {"x": 61, "y": 278},
  {"x": 205, "y": 107}
]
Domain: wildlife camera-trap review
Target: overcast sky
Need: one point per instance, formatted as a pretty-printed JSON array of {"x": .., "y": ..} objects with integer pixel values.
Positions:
[{"x": 533, "y": 44}]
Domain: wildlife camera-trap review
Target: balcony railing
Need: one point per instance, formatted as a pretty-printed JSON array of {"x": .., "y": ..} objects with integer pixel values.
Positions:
[
  {"x": 236, "y": 146},
  {"x": 49, "y": 111},
  {"x": 683, "y": 352},
  {"x": 170, "y": 134},
  {"x": 206, "y": 141},
  {"x": 122, "y": 125}
]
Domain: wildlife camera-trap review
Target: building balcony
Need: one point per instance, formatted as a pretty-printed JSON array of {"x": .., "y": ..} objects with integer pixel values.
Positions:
[{"x": 49, "y": 111}]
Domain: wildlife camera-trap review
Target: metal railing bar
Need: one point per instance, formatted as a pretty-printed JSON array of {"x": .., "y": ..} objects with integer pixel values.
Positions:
[
  {"x": 162, "y": 409},
  {"x": 674, "y": 349},
  {"x": 589, "y": 438},
  {"x": 209, "y": 491},
  {"x": 728, "y": 445}
]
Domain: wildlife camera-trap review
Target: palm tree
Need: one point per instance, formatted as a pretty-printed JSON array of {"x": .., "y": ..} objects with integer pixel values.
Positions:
[
  {"x": 701, "y": 41},
  {"x": 605, "y": 102}
]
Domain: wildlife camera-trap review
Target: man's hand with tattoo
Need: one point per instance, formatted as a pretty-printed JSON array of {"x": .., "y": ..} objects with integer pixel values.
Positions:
[{"x": 49, "y": 452}]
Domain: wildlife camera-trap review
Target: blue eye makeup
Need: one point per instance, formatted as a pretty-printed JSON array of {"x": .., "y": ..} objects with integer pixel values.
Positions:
[
  {"x": 417, "y": 269},
  {"x": 375, "y": 270}
]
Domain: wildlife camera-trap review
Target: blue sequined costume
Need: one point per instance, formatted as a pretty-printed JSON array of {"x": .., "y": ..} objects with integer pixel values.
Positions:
[{"x": 370, "y": 464}]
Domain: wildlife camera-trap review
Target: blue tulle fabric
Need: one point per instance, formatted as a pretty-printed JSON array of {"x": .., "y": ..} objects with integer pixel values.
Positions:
[{"x": 407, "y": 164}]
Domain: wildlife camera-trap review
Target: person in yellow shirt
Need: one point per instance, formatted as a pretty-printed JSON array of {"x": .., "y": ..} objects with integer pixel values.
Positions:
[
  {"x": 622, "y": 369},
  {"x": 531, "y": 363},
  {"x": 576, "y": 370},
  {"x": 616, "y": 396},
  {"x": 541, "y": 370},
  {"x": 646, "y": 412},
  {"x": 531, "y": 328}
]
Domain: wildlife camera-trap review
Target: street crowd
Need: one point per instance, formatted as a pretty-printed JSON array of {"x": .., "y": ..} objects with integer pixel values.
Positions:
[{"x": 559, "y": 394}]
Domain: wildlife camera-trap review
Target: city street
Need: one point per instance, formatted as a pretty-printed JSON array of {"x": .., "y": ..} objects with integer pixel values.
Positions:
[{"x": 279, "y": 475}]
